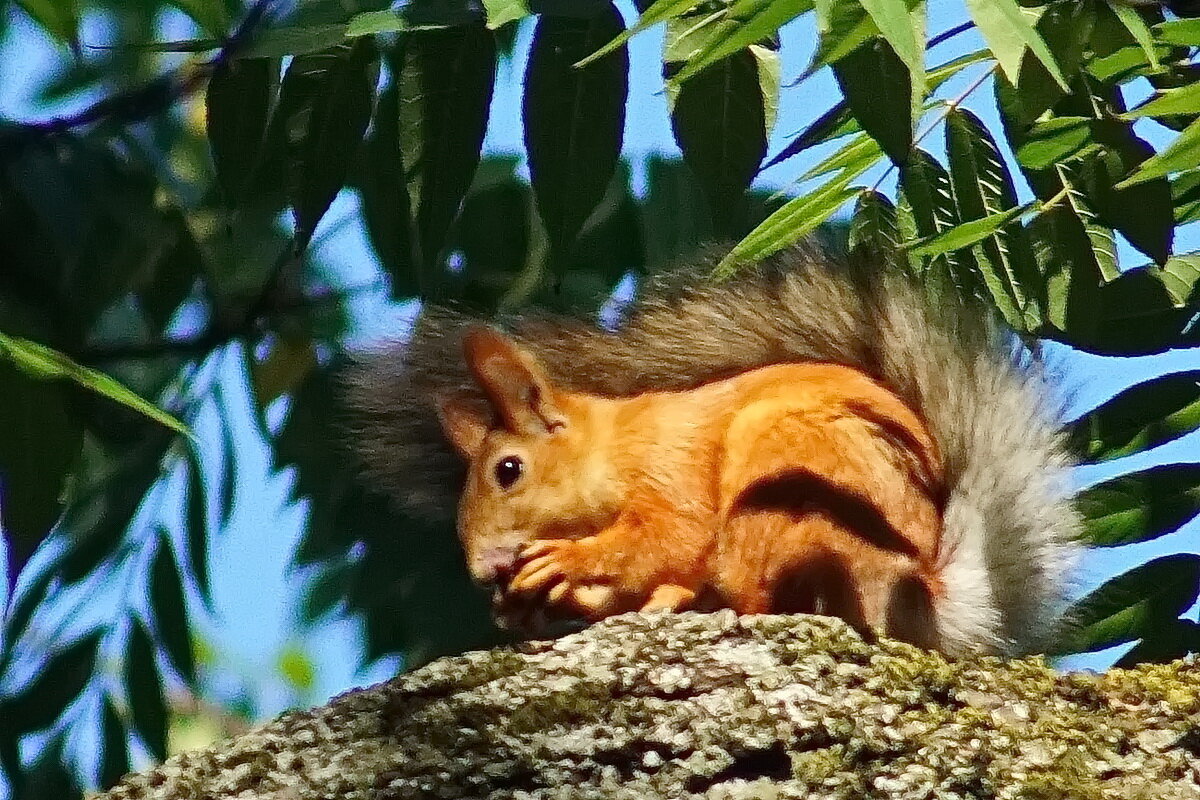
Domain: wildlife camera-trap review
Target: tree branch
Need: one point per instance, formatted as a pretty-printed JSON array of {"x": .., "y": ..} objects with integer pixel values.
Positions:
[{"x": 710, "y": 705}]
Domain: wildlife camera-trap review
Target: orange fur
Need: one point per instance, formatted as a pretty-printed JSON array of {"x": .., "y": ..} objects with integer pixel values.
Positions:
[{"x": 798, "y": 487}]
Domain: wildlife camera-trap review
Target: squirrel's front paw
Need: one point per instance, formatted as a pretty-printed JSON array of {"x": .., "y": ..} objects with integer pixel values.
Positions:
[{"x": 562, "y": 570}]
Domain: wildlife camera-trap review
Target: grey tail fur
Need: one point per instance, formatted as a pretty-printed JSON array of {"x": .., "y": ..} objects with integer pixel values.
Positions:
[{"x": 1010, "y": 534}]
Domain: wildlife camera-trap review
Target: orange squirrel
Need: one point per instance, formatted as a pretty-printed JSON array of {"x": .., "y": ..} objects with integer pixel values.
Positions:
[{"x": 806, "y": 437}]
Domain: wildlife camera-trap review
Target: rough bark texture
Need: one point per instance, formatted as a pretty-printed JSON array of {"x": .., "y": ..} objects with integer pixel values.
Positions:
[{"x": 716, "y": 706}]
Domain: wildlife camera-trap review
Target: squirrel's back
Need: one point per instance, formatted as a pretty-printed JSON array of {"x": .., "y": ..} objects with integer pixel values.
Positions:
[{"x": 1009, "y": 528}]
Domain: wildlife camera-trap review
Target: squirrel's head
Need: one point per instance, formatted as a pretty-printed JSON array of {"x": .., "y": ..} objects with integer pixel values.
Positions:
[{"x": 535, "y": 469}]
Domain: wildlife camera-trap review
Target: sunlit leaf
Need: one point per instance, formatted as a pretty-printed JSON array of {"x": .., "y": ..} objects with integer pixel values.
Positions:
[
  {"x": 1142, "y": 505},
  {"x": 965, "y": 234},
  {"x": 842, "y": 27},
  {"x": 1009, "y": 33},
  {"x": 744, "y": 23},
  {"x": 1055, "y": 140},
  {"x": 43, "y": 363},
  {"x": 1137, "y": 27},
  {"x": 874, "y": 229},
  {"x": 1134, "y": 604},
  {"x": 983, "y": 189},
  {"x": 659, "y": 11},
  {"x": 502, "y": 12},
  {"x": 297, "y": 668},
  {"x": 1144, "y": 416},
  {"x": 796, "y": 219},
  {"x": 1184, "y": 100},
  {"x": 1182, "y": 154},
  {"x": 902, "y": 24}
]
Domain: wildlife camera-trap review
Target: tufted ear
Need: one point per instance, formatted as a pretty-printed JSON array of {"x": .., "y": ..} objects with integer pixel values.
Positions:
[
  {"x": 517, "y": 387},
  {"x": 465, "y": 423}
]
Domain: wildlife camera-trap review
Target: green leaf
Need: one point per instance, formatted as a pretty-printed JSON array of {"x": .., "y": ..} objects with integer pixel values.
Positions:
[
  {"x": 719, "y": 120},
  {"x": 114, "y": 759},
  {"x": 297, "y": 668},
  {"x": 574, "y": 119},
  {"x": 40, "y": 701},
  {"x": 879, "y": 92},
  {"x": 965, "y": 234},
  {"x": 983, "y": 189},
  {"x": 796, "y": 219},
  {"x": 1140, "y": 418},
  {"x": 660, "y": 11},
  {"x": 902, "y": 25},
  {"x": 1182, "y": 154},
  {"x": 143, "y": 687},
  {"x": 1054, "y": 141},
  {"x": 1066, "y": 28},
  {"x": 502, "y": 12},
  {"x": 855, "y": 157},
  {"x": 1137, "y": 27},
  {"x": 1184, "y": 100},
  {"x": 1168, "y": 642},
  {"x": 198, "y": 531},
  {"x": 927, "y": 189},
  {"x": 446, "y": 87},
  {"x": 833, "y": 124},
  {"x": 102, "y": 508},
  {"x": 842, "y": 27},
  {"x": 1134, "y": 605},
  {"x": 237, "y": 107},
  {"x": 59, "y": 17},
  {"x": 874, "y": 230},
  {"x": 1146, "y": 310},
  {"x": 1140, "y": 506},
  {"x": 324, "y": 107},
  {"x": 1180, "y": 32},
  {"x": 744, "y": 23},
  {"x": 40, "y": 436},
  {"x": 43, "y": 363},
  {"x": 1009, "y": 34},
  {"x": 1185, "y": 197},
  {"x": 1143, "y": 212},
  {"x": 384, "y": 194},
  {"x": 169, "y": 608}
]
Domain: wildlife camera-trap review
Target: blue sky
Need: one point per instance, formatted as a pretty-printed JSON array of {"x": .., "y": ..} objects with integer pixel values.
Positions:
[{"x": 256, "y": 594}]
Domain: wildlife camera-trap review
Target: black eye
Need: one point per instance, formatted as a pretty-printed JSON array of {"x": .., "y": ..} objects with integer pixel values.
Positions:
[{"x": 508, "y": 469}]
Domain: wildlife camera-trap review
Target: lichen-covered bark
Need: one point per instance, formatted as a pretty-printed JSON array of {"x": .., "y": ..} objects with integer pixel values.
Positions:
[{"x": 716, "y": 706}]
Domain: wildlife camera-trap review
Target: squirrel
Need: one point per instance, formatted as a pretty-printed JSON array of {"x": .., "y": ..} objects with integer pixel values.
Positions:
[{"x": 815, "y": 434}]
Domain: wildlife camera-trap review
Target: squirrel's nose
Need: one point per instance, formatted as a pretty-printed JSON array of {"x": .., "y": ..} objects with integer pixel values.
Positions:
[{"x": 495, "y": 564}]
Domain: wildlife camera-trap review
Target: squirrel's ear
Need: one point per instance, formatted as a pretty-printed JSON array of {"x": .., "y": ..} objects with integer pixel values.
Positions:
[
  {"x": 513, "y": 380},
  {"x": 464, "y": 423}
]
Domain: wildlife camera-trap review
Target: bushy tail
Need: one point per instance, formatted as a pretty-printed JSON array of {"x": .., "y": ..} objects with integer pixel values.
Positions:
[{"x": 1010, "y": 528}]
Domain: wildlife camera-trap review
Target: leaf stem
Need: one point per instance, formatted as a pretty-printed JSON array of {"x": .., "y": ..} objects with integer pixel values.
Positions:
[
  {"x": 949, "y": 34},
  {"x": 945, "y": 112}
]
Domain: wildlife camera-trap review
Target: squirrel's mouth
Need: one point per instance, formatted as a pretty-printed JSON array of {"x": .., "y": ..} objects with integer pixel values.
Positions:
[{"x": 530, "y": 619}]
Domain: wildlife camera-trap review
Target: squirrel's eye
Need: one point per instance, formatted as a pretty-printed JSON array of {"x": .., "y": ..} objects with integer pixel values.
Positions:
[{"x": 508, "y": 469}]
